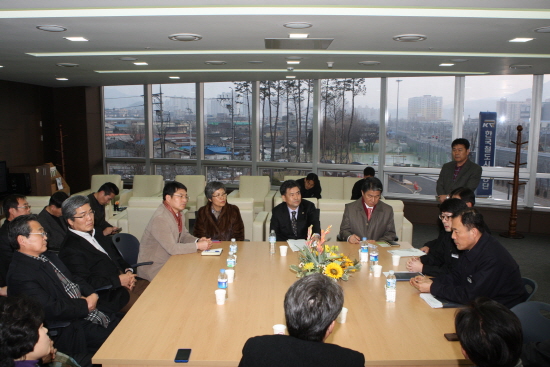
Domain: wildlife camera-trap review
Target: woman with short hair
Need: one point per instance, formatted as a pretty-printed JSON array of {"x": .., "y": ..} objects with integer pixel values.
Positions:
[{"x": 218, "y": 219}]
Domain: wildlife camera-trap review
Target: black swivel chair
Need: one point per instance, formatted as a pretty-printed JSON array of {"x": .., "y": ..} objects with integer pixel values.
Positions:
[
  {"x": 128, "y": 246},
  {"x": 530, "y": 286},
  {"x": 536, "y": 327}
]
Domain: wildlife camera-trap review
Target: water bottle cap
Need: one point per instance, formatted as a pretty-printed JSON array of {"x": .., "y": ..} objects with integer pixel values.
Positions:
[
  {"x": 364, "y": 238},
  {"x": 222, "y": 271},
  {"x": 232, "y": 240},
  {"x": 392, "y": 272}
]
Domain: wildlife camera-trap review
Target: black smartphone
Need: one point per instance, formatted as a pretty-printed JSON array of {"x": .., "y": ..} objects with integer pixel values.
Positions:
[
  {"x": 182, "y": 356},
  {"x": 393, "y": 243},
  {"x": 452, "y": 337}
]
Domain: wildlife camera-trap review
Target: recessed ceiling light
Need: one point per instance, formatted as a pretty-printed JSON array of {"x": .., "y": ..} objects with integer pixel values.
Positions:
[
  {"x": 1, "y": 66},
  {"x": 298, "y": 35},
  {"x": 293, "y": 62},
  {"x": 63, "y": 79},
  {"x": 215, "y": 62},
  {"x": 543, "y": 30},
  {"x": 127, "y": 58},
  {"x": 446, "y": 64},
  {"x": 76, "y": 39},
  {"x": 294, "y": 58},
  {"x": 185, "y": 37},
  {"x": 459, "y": 60},
  {"x": 409, "y": 37},
  {"x": 519, "y": 39},
  {"x": 369, "y": 62},
  {"x": 174, "y": 77},
  {"x": 521, "y": 66},
  {"x": 51, "y": 28},
  {"x": 291, "y": 77},
  {"x": 67, "y": 65},
  {"x": 140, "y": 63},
  {"x": 297, "y": 25},
  {"x": 255, "y": 62}
]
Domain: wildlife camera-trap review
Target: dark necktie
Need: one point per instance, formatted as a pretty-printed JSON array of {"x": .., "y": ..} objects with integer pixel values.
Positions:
[{"x": 294, "y": 224}]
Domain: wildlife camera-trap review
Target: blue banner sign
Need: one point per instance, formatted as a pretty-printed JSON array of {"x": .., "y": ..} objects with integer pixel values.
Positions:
[{"x": 486, "y": 151}]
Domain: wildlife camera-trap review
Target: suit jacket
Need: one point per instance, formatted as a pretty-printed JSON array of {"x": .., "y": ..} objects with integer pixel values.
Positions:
[
  {"x": 442, "y": 257},
  {"x": 314, "y": 192},
  {"x": 287, "y": 351},
  {"x": 56, "y": 232},
  {"x": 469, "y": 177},
  {"x": 6, "y": 252},
  {"x": 161, "y": 239},
  {"x": 381, "y": 226},
  {"x": 356, "y": 191},
  {"x": 99, "y": 213},
  {"x": 307, "y": 215},
  {"x": 228, "y": 225}
]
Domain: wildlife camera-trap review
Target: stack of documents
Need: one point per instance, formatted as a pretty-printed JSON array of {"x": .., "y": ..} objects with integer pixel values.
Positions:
[
  {"x": 296, "y": 245},
  {"x": 407, "y": 252},
  {"x": 435, "y": 302}
]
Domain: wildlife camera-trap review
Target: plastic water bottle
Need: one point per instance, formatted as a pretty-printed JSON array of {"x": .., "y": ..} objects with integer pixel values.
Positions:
[
  {"x": 272, "y": 240},
  {"x": 373, "y": 257},
  {"x": 391, "y": 287},
  {"x": 222, "y": 279},
  {"x": 231, "y": 260},
  {"x": 364, "y": 254},
  {"x": 233, "y": 246}
]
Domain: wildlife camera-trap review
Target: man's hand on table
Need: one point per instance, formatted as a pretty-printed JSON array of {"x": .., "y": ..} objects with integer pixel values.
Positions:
[
  {"x": 421, "y": 283},
  {"x": 354, "y": 239},
  {"x": 204, "y": 244},
  {"x": 415, "y": 265}
]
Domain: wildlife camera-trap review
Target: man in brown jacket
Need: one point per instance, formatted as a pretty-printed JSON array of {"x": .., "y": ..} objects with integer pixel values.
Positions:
[{"x": 166, "y": 235}]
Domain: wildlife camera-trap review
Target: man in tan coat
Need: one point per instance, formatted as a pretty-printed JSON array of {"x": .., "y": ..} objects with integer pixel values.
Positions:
[{"x": 166, "y": 235}]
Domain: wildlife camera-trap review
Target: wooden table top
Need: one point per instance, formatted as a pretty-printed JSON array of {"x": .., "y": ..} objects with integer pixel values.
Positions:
[{"x": 178, "y": 310}]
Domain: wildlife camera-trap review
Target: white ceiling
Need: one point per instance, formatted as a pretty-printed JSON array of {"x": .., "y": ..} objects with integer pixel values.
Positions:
[{"x": 234, "y": 31}]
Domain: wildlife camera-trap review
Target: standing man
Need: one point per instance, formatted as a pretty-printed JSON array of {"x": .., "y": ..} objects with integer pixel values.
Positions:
[
  {"x": 485, "y": 268},
  {"x": 368, "y": 216},
  {"x": 166, "y": 235},
  {"x": 461, "y": 172},
  {"x": 292, "y": 218},
  {"x": 310, "y": 186},
  {"x": 51, "y": 217},
  {"x": 98, "y": 200},
  {"x": 14, "y": 206},
  {"x": 312, "y": 305},
  {"x": 356, "y": 191}
]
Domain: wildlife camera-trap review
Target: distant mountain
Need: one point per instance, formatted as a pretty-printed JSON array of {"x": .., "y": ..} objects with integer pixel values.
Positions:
[{"x": 115, "y": 98}]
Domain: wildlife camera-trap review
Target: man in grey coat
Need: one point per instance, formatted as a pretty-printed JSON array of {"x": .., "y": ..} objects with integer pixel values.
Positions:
[
  {"x": 166, "y": 235},
  {"x": 461, "y": 172}
]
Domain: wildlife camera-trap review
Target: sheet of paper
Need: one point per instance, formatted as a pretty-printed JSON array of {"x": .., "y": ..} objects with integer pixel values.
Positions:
[
  {"x": 431, "y": 300},
  {"x": 407, "y": 252},
  {"x": 296, "y": 245},
  {"x": 382, "y": 244}
]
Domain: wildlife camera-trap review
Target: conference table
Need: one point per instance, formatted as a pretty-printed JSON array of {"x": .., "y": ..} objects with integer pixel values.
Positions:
[{"x": 179, "y": 310}]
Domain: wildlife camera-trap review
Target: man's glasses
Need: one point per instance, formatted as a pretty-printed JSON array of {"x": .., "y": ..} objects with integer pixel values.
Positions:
[
  {"x": 182, "y": 196},
  {"x": 24, "y": 207},
  {"x": 89, "y": 214},
  {"x": 445, "y": 217},
  {"x": 43, "y": 234},
  {"x": 220, "y": 195}
]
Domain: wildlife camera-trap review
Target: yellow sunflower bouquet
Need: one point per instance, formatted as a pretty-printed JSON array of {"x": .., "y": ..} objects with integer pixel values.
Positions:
[{"x": 316, "y": 257}]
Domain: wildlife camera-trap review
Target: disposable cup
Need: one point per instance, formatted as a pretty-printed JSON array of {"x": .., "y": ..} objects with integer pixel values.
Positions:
[
  {"x": 279, "y": 329},
  {"x": 342, "y": 316},
  {"x": 220, "y": 296},
  {"x": 283, "y": 250},
  {"x": 395, "y": 260},
  {"x": 230, "y": 275},
  {"x": 377, "y": 270}
]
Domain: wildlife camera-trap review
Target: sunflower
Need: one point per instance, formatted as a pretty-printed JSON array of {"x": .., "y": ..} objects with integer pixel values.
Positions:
[
  {"x": 334, "y": 271},
  {"x": 308, "y": 266}
]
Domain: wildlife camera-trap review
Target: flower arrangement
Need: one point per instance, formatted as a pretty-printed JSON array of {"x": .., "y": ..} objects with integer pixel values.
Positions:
[{"x": 316, "y": 257}]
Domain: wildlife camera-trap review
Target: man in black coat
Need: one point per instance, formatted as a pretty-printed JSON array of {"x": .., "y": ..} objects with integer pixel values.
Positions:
[
  {"x": 70, "y": 304},
  {"x": 312, "y": 305},
  {"x": 51, "y": 218},
  {"x": 104, "y": 195},
  {"x": 292, "y": 218}
]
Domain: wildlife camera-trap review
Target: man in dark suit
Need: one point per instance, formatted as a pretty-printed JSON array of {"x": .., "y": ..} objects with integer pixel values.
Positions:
[
  {"x": 312, "y": 305},
  {"x": 70, "y": 304},
  {"x": 93, "y": 257},
  {"x": 356, "y": 191},
  {"x": 461, "y": 172},
  {"x": 104, "y": 195},
  {"x": 51, "y": 218},
  {"x": 368, "y": 216},
  {"x": 292, "y": 218}
]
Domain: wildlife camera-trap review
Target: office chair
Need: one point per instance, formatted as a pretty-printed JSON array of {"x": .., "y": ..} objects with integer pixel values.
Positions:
[
  {"x": 530, "y": 286},
  {"x": 128, "y": 246},
  {"x": 536, "y": 327}
]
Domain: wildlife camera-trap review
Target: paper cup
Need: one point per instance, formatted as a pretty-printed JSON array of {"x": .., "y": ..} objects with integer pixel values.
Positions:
[
  {"x": 342, "y": 316},
  {"x": 220, "y": 296},
  {"x": 230, "y": 275},
  {"x": 395, "y": 260},
  {"x": 377, "y": 270},
  {"x": 279, "y": 329},
  {"x": 283, "y": 250}
]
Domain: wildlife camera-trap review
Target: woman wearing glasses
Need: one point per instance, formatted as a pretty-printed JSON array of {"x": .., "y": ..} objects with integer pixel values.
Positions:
[{"x": 218, "y": 219}]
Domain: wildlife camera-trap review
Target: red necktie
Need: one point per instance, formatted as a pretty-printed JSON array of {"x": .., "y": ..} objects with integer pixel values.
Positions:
[{"x": 369, "y": 213}]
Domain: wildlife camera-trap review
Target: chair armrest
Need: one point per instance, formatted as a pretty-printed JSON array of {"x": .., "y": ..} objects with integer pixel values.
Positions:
[
  {"x": 140, "y": 264},
  {"x": 407, "y": 231},
  {"x": 234, "y": 194},
  {"x": 122, "y": 223},
  {"x": 104, "y": 288},
  {"x": 201, "y": 201},
  {"x": 268, "y": 200},
  {"x": 116, "y": 217},
  {"x": 125, "y": 196},
  {"x": 267, "y": 225},
  {"x": 258, "y": 226}
]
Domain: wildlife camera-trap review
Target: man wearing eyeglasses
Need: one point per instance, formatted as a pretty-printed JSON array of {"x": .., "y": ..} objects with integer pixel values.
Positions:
[
  {"x": 166, "y": 235},
  {"x": 68, "y": 300},
  {"x": 442, "y": 254},
  {"x": 368, "y": 216},
  {"x": 14, "y": 206}
]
